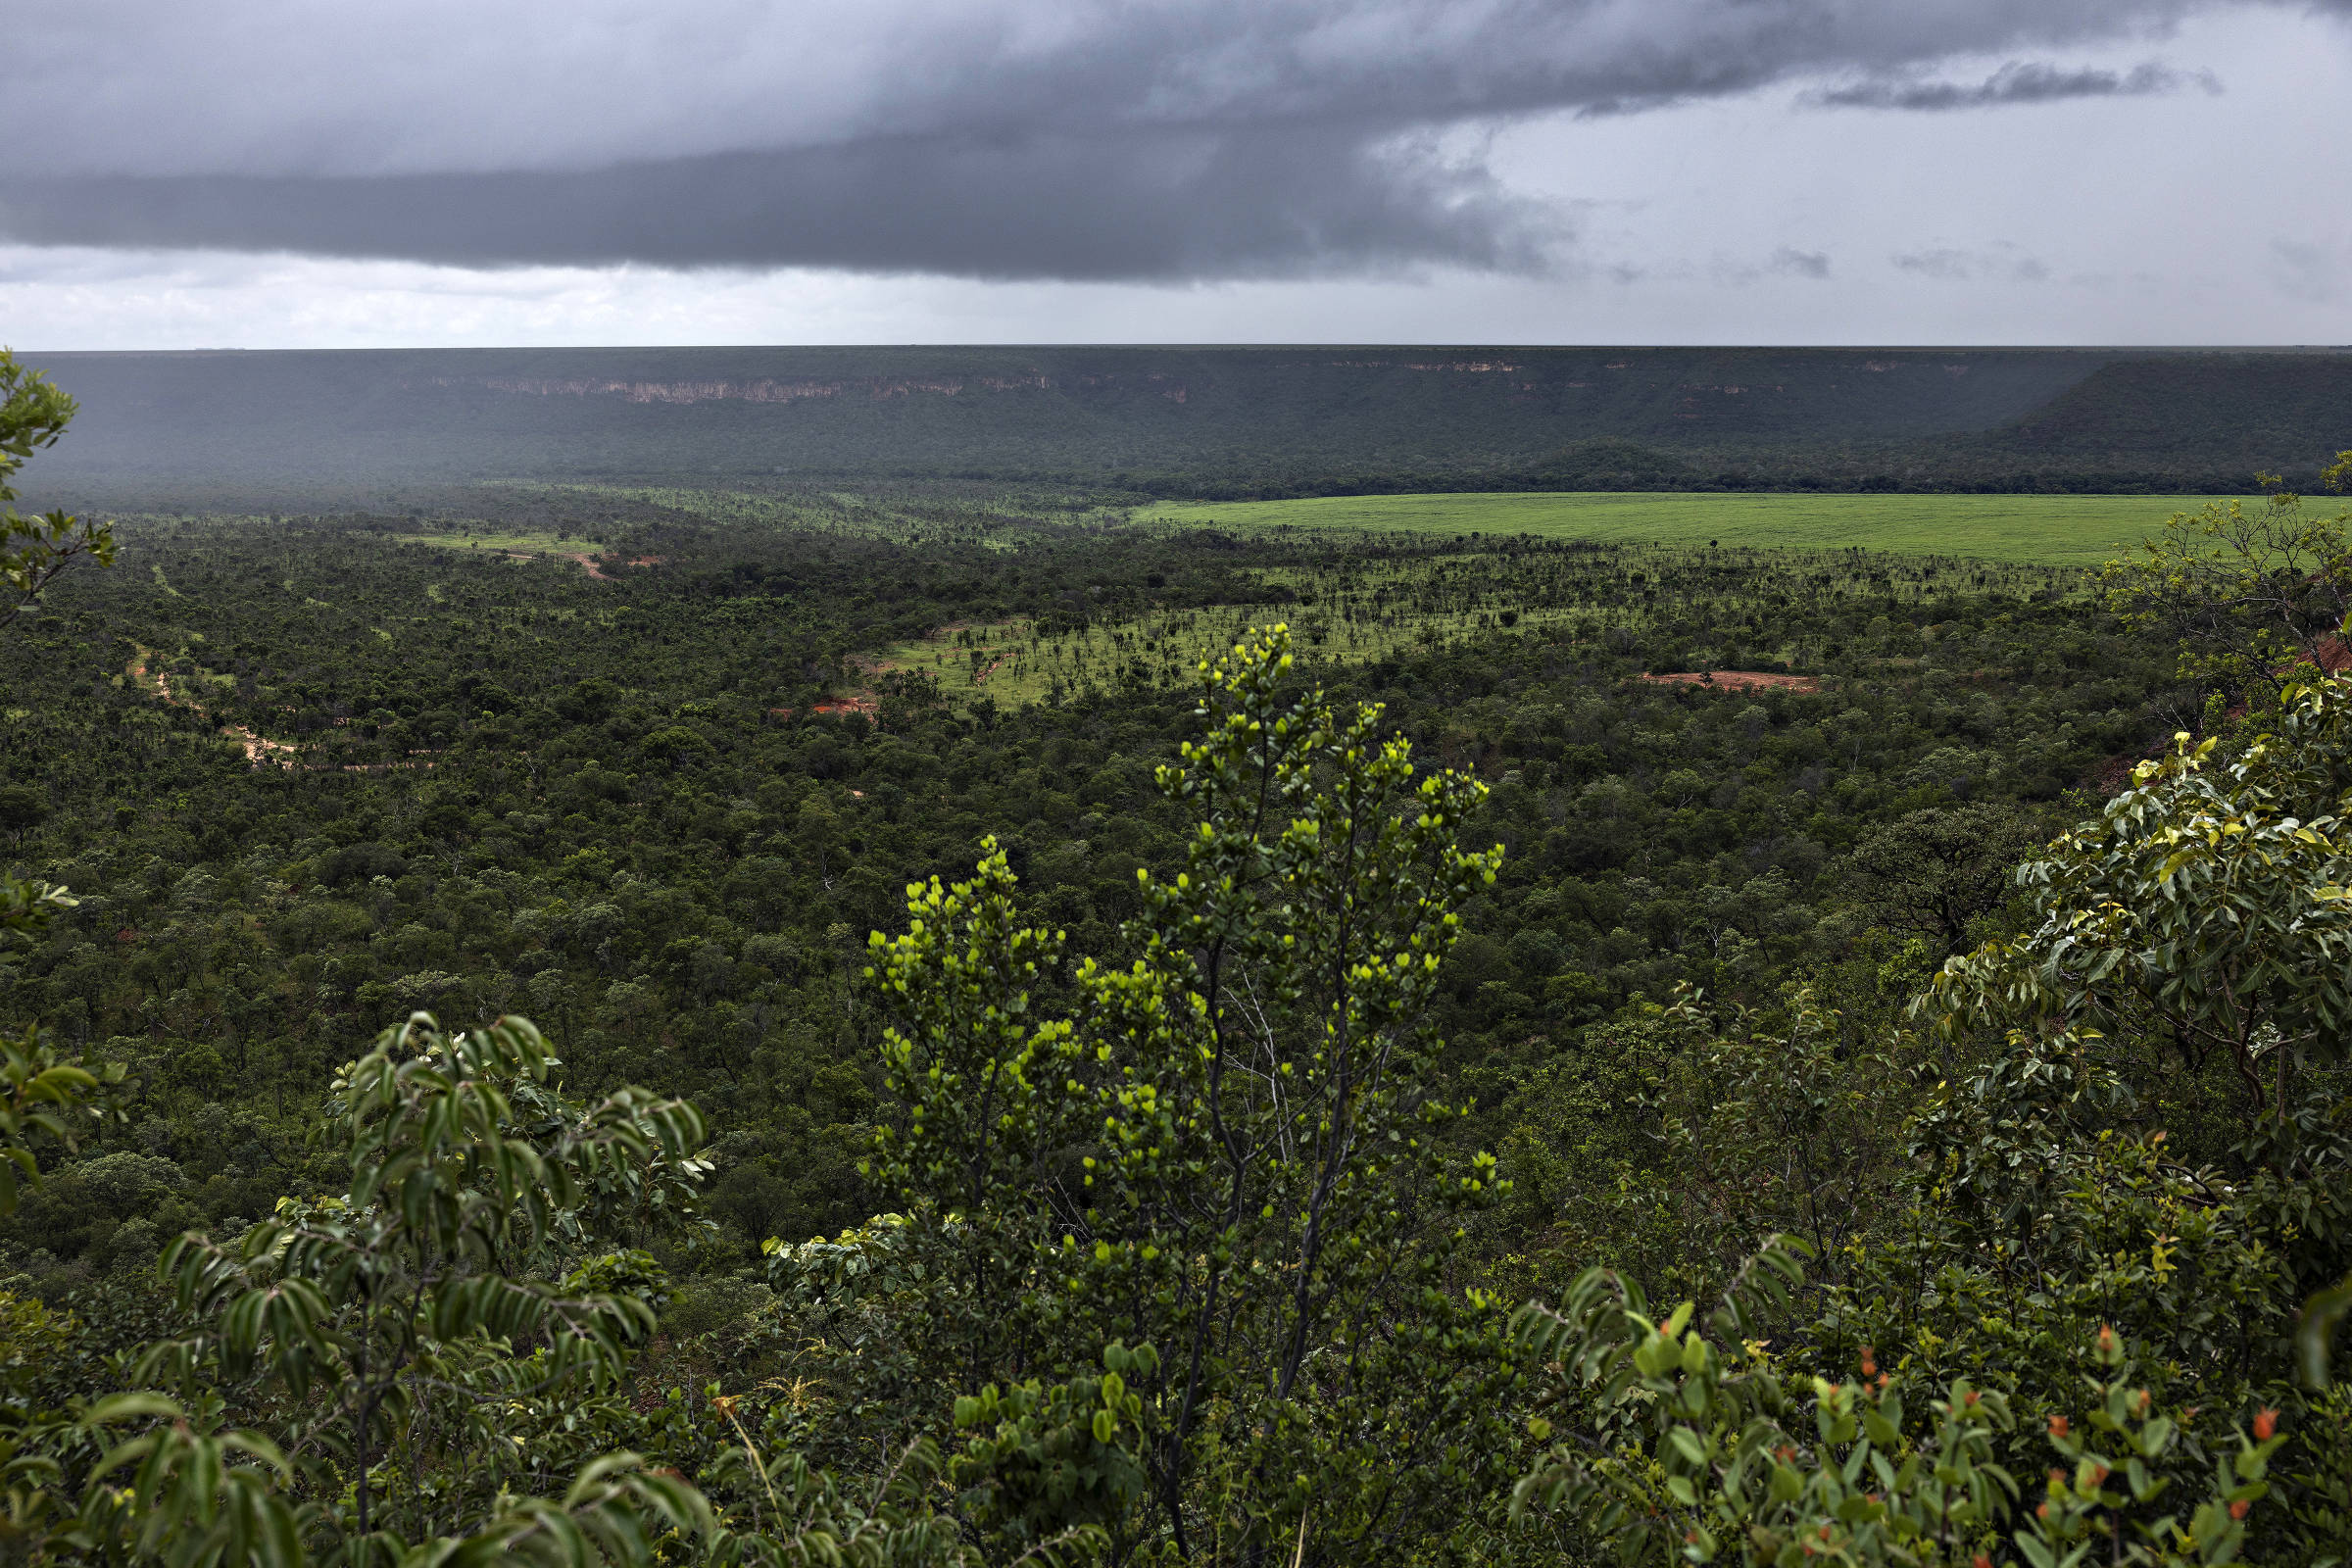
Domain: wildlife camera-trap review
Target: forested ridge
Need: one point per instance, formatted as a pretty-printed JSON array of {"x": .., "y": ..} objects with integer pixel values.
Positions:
[
  {"x": 1167, "y": 1108},
  {"x": 1216, "y": 424}
]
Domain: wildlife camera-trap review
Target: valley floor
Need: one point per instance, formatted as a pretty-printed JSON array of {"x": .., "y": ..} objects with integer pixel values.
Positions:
[{"x": 2052, "y": 530}]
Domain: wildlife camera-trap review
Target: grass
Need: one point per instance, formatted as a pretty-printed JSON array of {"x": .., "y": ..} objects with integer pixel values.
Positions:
[
  {"x": 998, "y": 523},
  {"x": 2041, "y": 530},
  {"x": 1160, "y": 648},
  {"x": 1348, "y": 603},
  {"x": 539, "y": 543}
]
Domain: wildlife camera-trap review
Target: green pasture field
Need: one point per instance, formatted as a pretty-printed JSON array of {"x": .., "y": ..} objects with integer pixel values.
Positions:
[{"x": 2042, "y": 530}]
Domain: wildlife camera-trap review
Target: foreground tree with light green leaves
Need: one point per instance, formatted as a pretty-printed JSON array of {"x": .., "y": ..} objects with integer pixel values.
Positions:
[{"x": 1231, "y": 1151}]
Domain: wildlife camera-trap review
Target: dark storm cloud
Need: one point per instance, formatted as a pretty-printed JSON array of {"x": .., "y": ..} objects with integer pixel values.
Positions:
[
  {"x": 1161, "y": 207},
  {"x": 1154, "y": 139},
  {"x": 2014, "y": 83}
]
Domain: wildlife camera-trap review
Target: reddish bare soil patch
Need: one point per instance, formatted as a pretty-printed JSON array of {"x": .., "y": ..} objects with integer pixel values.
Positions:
[
  {"x": 1737, "y": 680},
  {"x": 847, "y": 705},
  {"x": 596, "y": 564},
  {"x": 2332, "y": 656}
]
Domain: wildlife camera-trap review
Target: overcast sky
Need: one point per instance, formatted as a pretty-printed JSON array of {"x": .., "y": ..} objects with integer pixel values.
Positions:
[{"x": 293, "y": 174}]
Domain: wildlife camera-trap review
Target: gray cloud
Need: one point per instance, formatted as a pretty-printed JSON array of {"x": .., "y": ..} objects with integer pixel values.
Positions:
[
  {"x": 2018, "y": 83},
  {"x": 1955, "y": 266},
  {"x": 2312, "y": 274},
  {"x": 1800, "y": 263},
  {"x": 1150, "y": 139},
  {"x": 1786, "y": 262},
  {"x": 1161, "y": 207}
]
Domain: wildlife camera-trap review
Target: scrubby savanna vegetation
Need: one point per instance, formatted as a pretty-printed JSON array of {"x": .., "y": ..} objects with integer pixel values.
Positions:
[{"x": 935, "y": 1026}]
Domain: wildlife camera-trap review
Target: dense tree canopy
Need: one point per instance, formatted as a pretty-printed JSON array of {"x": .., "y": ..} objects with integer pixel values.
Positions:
[{"x": 1522, "y": 1054}]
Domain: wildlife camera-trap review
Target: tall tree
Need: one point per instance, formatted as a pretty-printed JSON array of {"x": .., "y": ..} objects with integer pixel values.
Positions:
[{"x": 1230, "y": 1149}]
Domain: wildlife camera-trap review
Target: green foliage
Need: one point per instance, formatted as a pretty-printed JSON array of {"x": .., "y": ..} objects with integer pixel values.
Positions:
[
  {"x": 1231, "y": 1145},
  {"x": 2077, "y": 531},
  {"x": 388, "y": 1317},
  {"x": 791, "y": 1513},
  {"x": 1046, "y": 1463},
  {"x": 694, "y": 919},
  {"x": 38, "y": 1088},
  {"x": 1941, "y": 872},
  {"x": 2066, "y": 1277},
  {"x": 1702, "y": 1448},
  {"x": 423, "y": 1380},
  {"x": 1703, "y": 1452},
  {"x": 35, "y": 550},
  {"x": 494, "y": 1302},
  {"x": 2319, "y": 1487},
  {"x": 2253, "y": 594},
  {"x": 2104, "y": 1499},
  {"x": 1779, "y": 1124},
  {"x": 38, "y": 1092},
  {"x": 2205, "y": 912}
]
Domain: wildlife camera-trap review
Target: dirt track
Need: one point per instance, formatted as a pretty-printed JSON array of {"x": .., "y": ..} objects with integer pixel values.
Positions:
[
  {"x": 589, "y": 562},
  {"x": 258, "y": 749}
]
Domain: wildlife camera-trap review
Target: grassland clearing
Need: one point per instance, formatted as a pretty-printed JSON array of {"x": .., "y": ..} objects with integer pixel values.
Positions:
[
  {"x": 2046, "y": 530},
  {"x": 506, "y": 542},
  {"x": 530, "y": 546},
  {"x": 1355, "y": 601}
]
